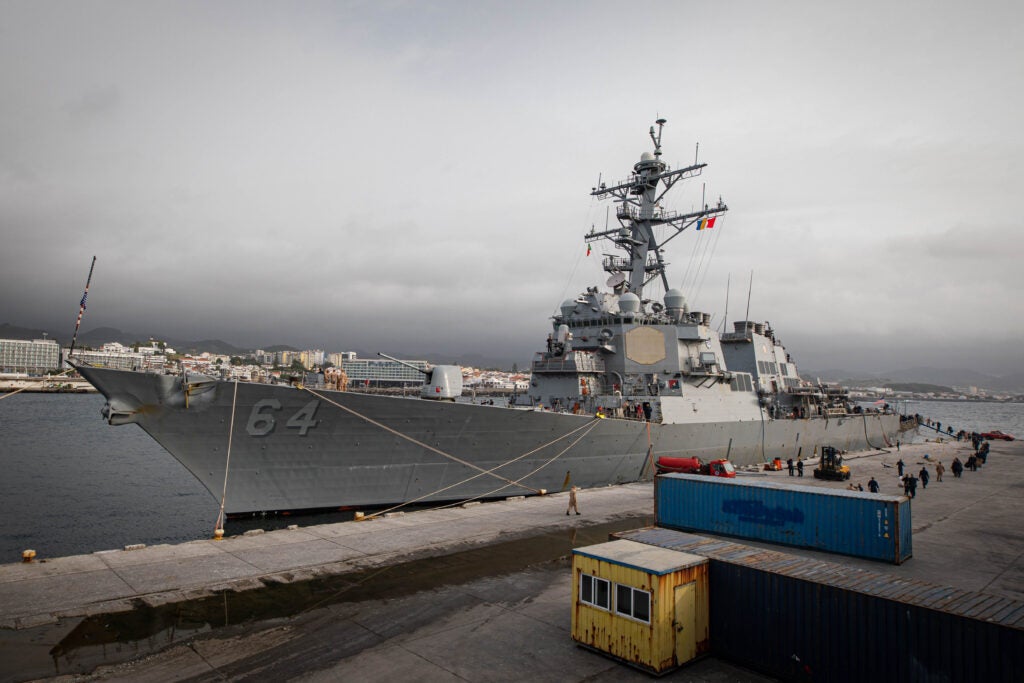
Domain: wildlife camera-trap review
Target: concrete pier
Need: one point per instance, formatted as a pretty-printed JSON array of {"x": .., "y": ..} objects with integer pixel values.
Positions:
[{"x": 472, "y": 593}]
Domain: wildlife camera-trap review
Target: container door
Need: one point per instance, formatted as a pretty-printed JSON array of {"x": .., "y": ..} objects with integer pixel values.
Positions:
[{"x": 685, "y": 622}]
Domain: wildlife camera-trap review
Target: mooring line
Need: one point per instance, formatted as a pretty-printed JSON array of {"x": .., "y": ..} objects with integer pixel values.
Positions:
[
  {"x": 43, "y": 382},
  {"x": 227, "y": 464},
  {"x": 565, "y": 450},
  {"x": 508, "y": 482},
  {"x": 867, "y": 439}
]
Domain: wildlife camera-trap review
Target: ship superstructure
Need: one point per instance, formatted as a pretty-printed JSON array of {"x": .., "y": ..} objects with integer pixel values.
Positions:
[{"x": 623, "y": 353}]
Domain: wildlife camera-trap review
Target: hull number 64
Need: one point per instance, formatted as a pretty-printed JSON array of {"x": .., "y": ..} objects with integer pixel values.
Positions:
[{"x": 262, "y": 419}]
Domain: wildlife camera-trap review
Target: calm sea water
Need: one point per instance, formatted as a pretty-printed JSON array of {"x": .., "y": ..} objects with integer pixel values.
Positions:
[
  {"x": 971, "y": 416},
  {"x": 71, "y": 484}
]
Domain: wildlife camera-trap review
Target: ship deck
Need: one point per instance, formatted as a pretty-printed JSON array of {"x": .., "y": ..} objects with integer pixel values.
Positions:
[{"x": 453, "y": 594}]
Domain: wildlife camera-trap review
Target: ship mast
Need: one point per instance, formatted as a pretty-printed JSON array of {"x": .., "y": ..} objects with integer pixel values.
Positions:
[{"x": 639, "y": 213}]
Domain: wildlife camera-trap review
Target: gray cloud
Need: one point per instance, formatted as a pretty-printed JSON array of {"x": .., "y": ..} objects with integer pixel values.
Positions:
[{"x": 373, "y": 175}]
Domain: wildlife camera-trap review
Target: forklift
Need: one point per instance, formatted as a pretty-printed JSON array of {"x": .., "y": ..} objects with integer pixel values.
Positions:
[{"x": 831, "y": 465}]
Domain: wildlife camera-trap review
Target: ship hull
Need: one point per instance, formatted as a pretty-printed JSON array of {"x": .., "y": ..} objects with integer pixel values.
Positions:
[{"x": 284, "y": 448}]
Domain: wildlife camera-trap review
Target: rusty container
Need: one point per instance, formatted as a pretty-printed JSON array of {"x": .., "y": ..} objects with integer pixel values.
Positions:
[{"x": 640, "y": 604}]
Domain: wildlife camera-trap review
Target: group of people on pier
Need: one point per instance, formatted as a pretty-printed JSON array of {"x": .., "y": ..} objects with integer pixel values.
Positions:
[{"x": 910, "y": 482}]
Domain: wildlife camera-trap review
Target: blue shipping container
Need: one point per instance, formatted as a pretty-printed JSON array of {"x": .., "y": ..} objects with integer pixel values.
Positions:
[{"x": 854, "y": 523}]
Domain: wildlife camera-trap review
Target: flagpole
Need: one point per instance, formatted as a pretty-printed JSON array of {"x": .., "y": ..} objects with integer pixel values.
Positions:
[{"x": 81, "y": 309}]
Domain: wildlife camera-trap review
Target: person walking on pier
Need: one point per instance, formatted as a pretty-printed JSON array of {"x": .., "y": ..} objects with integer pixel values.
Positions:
[
  {"x": 789, "y": 465},
  {"x": 800, "y": 467},
  {"x": 572, "y": 500},
  {"x": 912, "y": 485},
  {"x": 900, "y": 466},
  {"x": 958, "y": 468},
  {"x": 924, "y": 477},
  {"x": 873, "y": 485},
  {"x": 939, "y": 469}
]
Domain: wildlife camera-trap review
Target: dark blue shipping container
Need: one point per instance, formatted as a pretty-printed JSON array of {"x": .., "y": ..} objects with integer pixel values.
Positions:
[
  {"x": 801, "y": 619},
  {"x": 854, "y": 523}
]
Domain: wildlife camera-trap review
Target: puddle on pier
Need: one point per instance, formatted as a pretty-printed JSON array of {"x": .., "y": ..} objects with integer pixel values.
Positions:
[{"x": 80, "y": 645}]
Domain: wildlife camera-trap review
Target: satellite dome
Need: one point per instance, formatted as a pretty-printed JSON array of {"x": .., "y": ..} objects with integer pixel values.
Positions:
[
  {"x": 629, "y": 303},
  {"x": 674, "y": 299},
  {"x": 646, "y": 156},
  {"x": 568, "y": 308}
]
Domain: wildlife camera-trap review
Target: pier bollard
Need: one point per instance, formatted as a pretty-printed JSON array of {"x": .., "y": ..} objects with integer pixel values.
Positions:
[
  {"x": 542, "y": 492},
  {"x": 28, "y": 555},
  {"x": 218, "y": 534},
  {"x": 359, "y": 516}
]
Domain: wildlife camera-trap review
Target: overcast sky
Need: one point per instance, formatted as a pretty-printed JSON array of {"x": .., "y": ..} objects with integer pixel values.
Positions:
[{"x": 416, "y": 175}]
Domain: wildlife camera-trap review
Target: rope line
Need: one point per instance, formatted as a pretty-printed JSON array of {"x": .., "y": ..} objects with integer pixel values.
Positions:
[
  {"x": 42, "y": 382},
  {"x": 227, "y": 461},
  {"x": 711, "y": 257},
  {"x": 481, "y": 471},
  {"x": 589, "y": 427},
  {"x": 867, "y": 439}
]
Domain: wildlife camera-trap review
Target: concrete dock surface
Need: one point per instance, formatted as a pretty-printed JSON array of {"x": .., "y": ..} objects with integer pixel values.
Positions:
[{"x": 474, "y": 593}]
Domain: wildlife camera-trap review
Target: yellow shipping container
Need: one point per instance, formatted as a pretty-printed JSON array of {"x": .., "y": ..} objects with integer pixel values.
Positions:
[{"x": 644, "y": 605}]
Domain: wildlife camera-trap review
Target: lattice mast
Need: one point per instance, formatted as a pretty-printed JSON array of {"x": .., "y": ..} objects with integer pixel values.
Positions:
[{"x": 639, "y": 212}]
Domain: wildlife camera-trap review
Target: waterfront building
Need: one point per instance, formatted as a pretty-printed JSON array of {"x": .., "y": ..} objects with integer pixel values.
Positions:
[
  {"x": 311, "y": 358},
  {"x": 382, "y": 372},
  {"x": 35, "y": 357},
  {"x": 336, "y": 359}
]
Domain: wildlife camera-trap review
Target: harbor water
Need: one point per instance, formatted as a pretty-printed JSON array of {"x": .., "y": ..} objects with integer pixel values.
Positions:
[{"x": 71, "y": 484}]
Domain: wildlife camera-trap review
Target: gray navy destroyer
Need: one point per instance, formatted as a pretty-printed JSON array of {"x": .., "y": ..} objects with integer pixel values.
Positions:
[{"x": 624, "y": 378}]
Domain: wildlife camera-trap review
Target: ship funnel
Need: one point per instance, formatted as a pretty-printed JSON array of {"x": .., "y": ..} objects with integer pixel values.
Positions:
[{"x": 743, "y": 326}]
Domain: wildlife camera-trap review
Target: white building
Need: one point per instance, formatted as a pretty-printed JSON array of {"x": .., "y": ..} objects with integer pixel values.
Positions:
[{"x": 34, "y": 357}]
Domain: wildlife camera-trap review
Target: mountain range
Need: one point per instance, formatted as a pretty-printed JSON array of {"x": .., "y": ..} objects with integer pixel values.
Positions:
[{"x": 950, "y": 377}]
